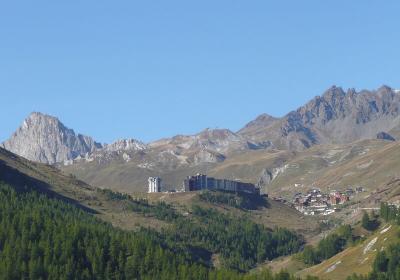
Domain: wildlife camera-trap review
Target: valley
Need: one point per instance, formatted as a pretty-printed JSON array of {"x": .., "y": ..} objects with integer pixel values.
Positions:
[
  {"x": 285, "y": 183},
  {"x": 199, "y": 140}
]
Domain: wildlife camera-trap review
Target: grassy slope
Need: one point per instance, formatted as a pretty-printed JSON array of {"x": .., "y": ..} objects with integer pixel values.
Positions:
[
  {"x": 353, "y": 259},
  {"x": 18, "y": 171},
  {"x": 50, "y": 179},
  {"x": 128, "y": 177},
  {"x": 323, "y": 166},
  {"x": 373, "y": 164},
  {"x": 275, "y": 215},
  {"x": 369, "y": 163}
]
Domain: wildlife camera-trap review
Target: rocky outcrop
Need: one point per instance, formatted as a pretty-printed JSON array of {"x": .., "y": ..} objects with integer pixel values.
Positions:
[
  {"x": 43, "y": 138},
  {"x": 210, "y": 145},
  {"x": 336, "y": 117},
  {"x": 125, "y": 145},
  {"x": 123, "y": 149},
  {"x": 204, "y": 156}
]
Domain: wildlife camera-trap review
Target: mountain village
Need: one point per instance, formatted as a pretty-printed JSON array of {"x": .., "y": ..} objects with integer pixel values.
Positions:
[
  {"x": 317, "y": 202},
  {"x": 314, "y": 202}
]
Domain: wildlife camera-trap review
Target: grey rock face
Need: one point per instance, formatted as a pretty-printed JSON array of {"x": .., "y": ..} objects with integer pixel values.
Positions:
[
  {"x": 207, "y": 156},
  {"x": 335, "y": 117},
  {"x": 216, "y": 140},
  {"x": 43, "y": 138},
  {"x": 125, "y": 145},
  {"x": 265, "y": 178}
]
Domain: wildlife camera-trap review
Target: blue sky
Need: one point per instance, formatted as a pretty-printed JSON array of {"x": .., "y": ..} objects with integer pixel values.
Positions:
[{"x": 153, "y": 69}]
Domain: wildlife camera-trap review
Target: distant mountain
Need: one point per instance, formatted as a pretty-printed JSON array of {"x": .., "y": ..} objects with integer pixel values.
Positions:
[
  {"x": 43, "y": 138},
  {"x": 210, "y": 145},
  {"x": 171, "y": 158},
  {"x": 336, "y": 117},
  {"x": 261, "y": 122},
  {"x": 125, "y": 145}
]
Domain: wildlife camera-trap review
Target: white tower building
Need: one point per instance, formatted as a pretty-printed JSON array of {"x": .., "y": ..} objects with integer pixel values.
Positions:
[{"x": 154, "y": 184}]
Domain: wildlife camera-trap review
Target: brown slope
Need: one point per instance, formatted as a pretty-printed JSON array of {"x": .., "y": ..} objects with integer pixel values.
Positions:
[{"x": 367, "y": 163}]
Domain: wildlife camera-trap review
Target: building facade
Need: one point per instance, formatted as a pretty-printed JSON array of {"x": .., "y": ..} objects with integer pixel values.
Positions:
[
  {"x": 202, "y": 182},
  {"x": 195, "y": 183},
  {"x": 154, "y": 184}
]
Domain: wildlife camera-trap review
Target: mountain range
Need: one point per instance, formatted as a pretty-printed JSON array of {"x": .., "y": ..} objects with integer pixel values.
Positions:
[
  {"x": 337, "y": 117},
  {"x": 371, "y": 161}
]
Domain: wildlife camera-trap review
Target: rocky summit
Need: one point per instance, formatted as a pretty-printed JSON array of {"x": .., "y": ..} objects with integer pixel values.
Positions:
[
  {"x": 336, "y": 117},
  {"x": 45, "y": 139}
]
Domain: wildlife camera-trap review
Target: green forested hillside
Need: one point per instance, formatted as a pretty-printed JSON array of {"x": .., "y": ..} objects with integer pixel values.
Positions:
[
  {"x": 372, "y": 255},
  {"x": 240, "y": 242},
  {"x": 49, "y": 239},
  {"x": 45, "y": 238},
  {"x": 386, "y": 265}
]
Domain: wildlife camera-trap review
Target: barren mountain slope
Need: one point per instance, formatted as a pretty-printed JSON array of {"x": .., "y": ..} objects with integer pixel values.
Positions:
[
  {"x": 43, "y": 138},
  {"x": 336, "y": 117},
  {"x": 368, "y": 163}
]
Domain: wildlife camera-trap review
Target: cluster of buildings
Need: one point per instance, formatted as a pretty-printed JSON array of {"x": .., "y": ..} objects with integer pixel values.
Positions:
[
  {"x": 316, "y": 202},
  {"x": 203, "y": 182}
]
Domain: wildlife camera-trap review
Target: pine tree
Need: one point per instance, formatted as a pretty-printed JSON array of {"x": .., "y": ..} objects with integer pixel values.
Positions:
[{"x": 366, "y": 222}]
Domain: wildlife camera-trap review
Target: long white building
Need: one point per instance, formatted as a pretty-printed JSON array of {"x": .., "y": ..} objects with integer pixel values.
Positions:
[{"x": 154, "y": 184}]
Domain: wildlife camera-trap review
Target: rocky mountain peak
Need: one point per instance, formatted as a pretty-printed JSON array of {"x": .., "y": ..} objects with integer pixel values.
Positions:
[
  {"x": 45, "y": 139},
  {"x": 385, "y": 89},
  {"x": 265, "y": 118},
  {"x": 261, "y": 122},
  {"x": 337, "y": 116},
  {"x": 217, "y": 134},
  {"x": 125, "y": 145},
  {"x": 333, "y": 92}
]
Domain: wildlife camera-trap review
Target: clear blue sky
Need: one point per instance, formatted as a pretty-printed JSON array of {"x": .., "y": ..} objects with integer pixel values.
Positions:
[{"x": 153, "y": 69}]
